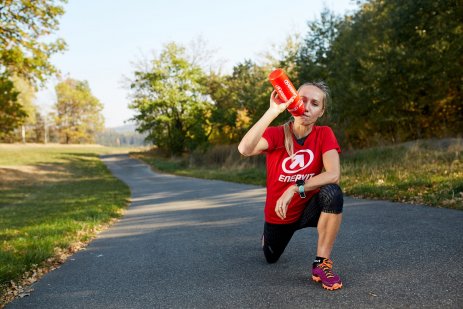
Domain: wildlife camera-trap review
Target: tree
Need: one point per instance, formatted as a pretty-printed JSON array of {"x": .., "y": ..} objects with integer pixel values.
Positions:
[
  {"x": 78, "y": 112},
  {"x": 396, "y": 68},
  {"x": 26, "y": 96},
  {"x": 24, "y": 24},
  {"x": 170, "y": 100},
  {"x": 225, "y": 110},
  {"x": 12, "y": 113},
  {"x": 251, "y": 88},
  {"x": 40, "y": 128},
  {"x": 284, "y": 55},
  {"x": 314, "y": 54},
  {"x": 23, "y": 52}
]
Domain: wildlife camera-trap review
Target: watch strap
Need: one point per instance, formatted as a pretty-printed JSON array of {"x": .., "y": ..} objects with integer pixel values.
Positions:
[{"x": 300, "y": 188}]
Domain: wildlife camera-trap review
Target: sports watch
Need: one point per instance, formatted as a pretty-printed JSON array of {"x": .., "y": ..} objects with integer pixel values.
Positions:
[{"x": 300, "y": 186}]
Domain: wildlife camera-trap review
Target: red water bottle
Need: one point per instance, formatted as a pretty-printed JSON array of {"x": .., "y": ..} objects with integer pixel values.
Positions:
[{"x": 286, "y": 91}]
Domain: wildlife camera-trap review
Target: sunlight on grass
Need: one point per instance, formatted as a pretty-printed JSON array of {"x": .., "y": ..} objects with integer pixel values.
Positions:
[
  {"x": 424, "y": 172},
  {"x": 52, "y": 197}
]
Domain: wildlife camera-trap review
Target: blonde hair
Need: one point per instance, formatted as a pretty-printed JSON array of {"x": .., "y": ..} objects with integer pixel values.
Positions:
[{"x": 289, "y": 144}]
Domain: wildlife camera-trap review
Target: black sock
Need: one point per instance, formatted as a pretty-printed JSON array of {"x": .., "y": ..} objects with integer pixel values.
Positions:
[{"x": 318, "y": 260}]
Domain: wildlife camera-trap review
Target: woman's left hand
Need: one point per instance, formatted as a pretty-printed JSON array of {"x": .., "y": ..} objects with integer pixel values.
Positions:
[{"x": 283, "y": 202}]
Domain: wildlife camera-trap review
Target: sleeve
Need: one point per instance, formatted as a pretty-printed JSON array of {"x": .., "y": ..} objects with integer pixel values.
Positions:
[
  {"x": 329, "y": 141},
  {"x": 270, "y": 134}
]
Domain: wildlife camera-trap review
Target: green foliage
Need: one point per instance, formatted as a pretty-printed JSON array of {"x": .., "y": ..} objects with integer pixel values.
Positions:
[
  {"x": 24, "y": 24},
  {"x": 240, "y": 99},
  {"x": 23, "y": 101},
  {"x": 78, "y": 112},
  {"x": 26, "y": 96},
  {"x": 171, "y": 103},
  {"x": 12, "y": 113},
  {"x": 313, "y": 56},
  {"x": 224, "y": 116},
  {"x": 249, "y": 84},
  {"x": 25, "y": 56},
  {"x": 395, "y": 69}
]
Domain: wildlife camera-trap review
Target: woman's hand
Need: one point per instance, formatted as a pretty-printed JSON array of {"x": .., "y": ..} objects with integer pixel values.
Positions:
[
  {"x": 282, "y": 204},
  {"x": 277, "y": 105}
]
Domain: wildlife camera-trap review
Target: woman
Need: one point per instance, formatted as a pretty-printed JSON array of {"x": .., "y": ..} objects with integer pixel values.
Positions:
[{"x": 303, "y": 171}]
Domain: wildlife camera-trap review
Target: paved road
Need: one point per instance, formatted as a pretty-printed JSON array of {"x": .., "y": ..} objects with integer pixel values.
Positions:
[{"x": 189, "y": 243}]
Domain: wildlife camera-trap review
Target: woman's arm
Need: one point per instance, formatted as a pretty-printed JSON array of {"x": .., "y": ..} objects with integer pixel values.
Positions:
[
  {"x": 332, "y": 173},
  {"x": 253, "y": 143}
]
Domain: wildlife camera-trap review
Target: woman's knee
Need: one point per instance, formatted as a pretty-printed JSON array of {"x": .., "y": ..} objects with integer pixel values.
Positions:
[
  {"x": 270, "y": 255},
  {"x": 275, "y": 239},
  {"x": 331, "y": 198}
]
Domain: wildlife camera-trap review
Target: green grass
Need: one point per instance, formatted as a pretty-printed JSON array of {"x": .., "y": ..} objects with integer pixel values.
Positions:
[
  {"x": 423, "y": 172},
  {"x": 251, "y": 175},
  {"x": 52, "y": 197}
]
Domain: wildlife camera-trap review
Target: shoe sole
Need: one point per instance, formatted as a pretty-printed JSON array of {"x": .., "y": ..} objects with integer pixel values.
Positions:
[{"x": 335, "y": 286}]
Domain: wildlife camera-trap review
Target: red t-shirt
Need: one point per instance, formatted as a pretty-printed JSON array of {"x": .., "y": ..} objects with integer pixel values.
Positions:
[{"x": 282, "y": 172}]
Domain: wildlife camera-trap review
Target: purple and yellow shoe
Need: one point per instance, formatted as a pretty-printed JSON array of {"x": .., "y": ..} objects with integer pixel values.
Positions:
[{"x": 323, "y": 272}]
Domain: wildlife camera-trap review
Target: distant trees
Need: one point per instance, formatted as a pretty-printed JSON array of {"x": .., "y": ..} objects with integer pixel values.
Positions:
[
  {"x": 394, "y": 67},
  {"x": 239, "y": 100},
  {"x": 26, "y": 96},
  {"x": 24, "y": 55},
  {"x": 78, "y": 113},
  {"x": 116, "y": 138},
  {"x": 75, "y": 118}
]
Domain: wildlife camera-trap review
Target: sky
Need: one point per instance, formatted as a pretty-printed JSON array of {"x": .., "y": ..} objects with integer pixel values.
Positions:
[{"x": 105, "y": 38}]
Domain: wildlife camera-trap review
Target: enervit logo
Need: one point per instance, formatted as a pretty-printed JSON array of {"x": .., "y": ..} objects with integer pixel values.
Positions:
[
  {"x": 281, "y": 94},
  {"x": 290, "y": 87},
  {"x": 302, "y": 159}
]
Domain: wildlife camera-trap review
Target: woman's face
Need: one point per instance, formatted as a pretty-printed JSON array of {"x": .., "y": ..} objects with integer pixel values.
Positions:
[{"x": 313, "y": 99}]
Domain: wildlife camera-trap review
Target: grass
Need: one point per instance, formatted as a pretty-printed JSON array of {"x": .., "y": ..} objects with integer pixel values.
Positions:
[
  {"x": 250, "y": 175},
  {"x": 423, "y": 172},
  {"x": 52, "y": 197},
  {"x": 426, "y": 172}
]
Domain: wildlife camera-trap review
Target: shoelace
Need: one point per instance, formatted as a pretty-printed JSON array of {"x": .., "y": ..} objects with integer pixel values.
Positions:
[{"x": 327, "y": 269}]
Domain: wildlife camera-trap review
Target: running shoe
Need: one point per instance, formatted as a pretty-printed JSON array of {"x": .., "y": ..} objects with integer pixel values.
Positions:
[{"x": 323, "y": 273}]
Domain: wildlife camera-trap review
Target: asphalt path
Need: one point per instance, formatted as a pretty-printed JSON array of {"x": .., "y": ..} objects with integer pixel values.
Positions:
[{"x": 192, "y": 243}]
